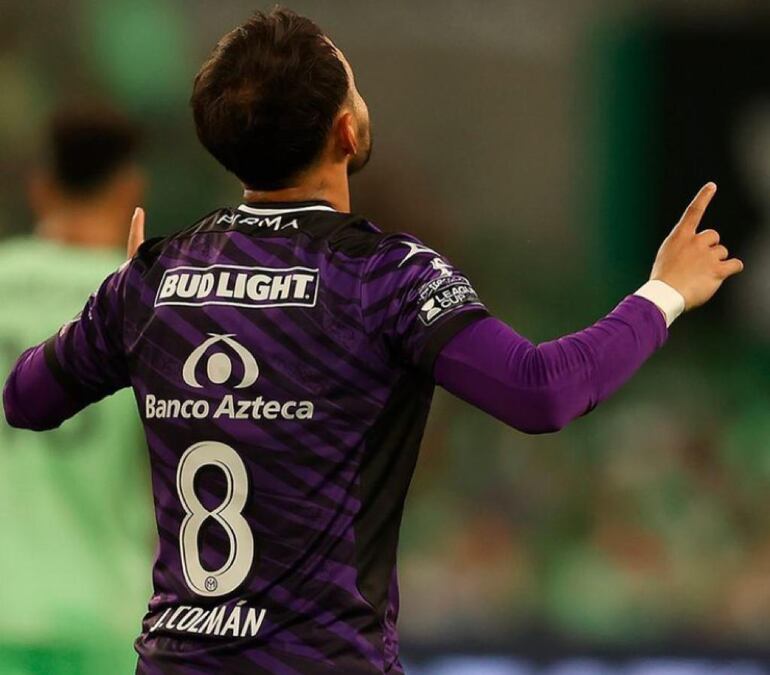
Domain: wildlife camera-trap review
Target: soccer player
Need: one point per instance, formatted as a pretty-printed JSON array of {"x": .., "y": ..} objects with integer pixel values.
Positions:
[
  {"x": 75, "y": 503},
  {"x": 283, "y": 354}
]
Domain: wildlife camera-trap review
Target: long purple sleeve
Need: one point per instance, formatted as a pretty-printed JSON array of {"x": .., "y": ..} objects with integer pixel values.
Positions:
[
  {"x": 81, "y": 364},
  {"x": 33, "y": 398},
  {"x": 540, "y": 388}
]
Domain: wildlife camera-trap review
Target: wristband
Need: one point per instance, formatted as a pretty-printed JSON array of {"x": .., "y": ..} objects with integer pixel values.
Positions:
[{"x": 667, "y": 298}]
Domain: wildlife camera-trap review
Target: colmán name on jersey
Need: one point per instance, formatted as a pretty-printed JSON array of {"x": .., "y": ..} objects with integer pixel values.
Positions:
[{"x": 239, "y": 286}]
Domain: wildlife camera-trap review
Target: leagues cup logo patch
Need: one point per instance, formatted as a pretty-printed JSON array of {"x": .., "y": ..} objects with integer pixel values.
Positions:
[
  {"x": 442, "y": 295},
  {"x": 219, "y": 366}
]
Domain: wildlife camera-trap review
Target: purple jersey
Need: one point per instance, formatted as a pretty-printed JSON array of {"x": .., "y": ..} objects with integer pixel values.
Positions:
[{"x": 281, "y": 357}]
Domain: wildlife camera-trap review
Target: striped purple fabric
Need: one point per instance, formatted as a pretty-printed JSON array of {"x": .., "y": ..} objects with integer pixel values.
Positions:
[{"x": 281, "y": 356}]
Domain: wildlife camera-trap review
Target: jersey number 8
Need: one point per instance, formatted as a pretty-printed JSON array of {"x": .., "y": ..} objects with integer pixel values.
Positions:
[{"x": 229, "y": 515}]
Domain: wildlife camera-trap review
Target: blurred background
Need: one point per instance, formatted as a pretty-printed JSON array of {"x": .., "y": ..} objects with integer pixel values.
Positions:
[{"x": 546, "y": 148}]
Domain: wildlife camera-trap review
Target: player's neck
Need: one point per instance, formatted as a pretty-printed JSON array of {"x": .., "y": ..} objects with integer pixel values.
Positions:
[{"x": 328, "y": 185}]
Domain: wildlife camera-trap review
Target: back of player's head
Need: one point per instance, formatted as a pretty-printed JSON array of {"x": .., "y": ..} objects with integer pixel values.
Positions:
[
  {"x": 87, "y": 145},
  {"x": 265, "y": 100}
]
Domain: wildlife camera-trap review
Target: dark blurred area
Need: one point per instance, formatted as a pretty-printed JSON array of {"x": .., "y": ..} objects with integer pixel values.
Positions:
[{"x": 546, "y": 148}]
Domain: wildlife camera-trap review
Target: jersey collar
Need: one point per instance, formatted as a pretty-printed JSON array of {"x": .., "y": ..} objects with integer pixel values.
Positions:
[{"x": 275, "y": 208}]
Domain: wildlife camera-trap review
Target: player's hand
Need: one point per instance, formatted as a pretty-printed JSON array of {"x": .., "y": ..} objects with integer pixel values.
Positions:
[
  {"x": 692, "y": 262},
  {"x": 136, "y": 232}
]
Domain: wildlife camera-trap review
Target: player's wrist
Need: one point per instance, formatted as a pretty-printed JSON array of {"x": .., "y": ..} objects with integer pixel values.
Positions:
[{"x": 666, "y": 298}]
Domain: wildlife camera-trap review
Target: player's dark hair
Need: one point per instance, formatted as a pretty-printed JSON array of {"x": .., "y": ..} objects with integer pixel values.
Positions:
[
  {"x": 265, "y": 100},
  {"x": 87, "y": 144}
]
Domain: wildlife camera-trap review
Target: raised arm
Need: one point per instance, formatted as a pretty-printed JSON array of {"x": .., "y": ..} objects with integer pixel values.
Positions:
[
  {"x": 81, "y": 364},
  {"x": 540, "y": 388}
]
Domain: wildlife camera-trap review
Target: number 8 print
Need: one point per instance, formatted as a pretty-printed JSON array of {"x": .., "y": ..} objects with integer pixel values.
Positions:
[{"x": 229, "y": 514}]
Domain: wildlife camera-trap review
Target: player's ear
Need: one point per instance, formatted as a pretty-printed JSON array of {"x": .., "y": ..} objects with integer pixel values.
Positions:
[
  {"x": 127, "y": 188},
  {"x": 41, "y": 194},
  {"x": 346, "y": 134}
]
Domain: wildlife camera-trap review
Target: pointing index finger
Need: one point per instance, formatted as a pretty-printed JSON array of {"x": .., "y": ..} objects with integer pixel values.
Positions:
[
  {"x": 136, "y": 232},
  {"x": 694, "y": 212}
]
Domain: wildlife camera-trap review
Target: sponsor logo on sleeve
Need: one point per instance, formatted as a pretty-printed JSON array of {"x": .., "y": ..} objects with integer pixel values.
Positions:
[
  {"x": 442, "y": 295},
  {"x": 255, "y": 287},
  {"x": 442, "y": 267}
]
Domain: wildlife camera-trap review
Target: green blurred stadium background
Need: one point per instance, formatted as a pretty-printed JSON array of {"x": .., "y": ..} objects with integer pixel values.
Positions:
[{"x": 546, "y": 148}]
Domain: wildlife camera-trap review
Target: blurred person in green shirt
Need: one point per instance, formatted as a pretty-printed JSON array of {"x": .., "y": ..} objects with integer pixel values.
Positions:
[{"x": 75, "y": 509}]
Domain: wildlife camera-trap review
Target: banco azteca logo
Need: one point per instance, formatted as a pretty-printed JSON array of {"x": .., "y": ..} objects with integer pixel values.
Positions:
[{"x": 219, "y": 364}]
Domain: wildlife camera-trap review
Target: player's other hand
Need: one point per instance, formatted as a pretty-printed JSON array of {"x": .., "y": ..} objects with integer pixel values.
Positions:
[
  {"x": 135, "y": 232},
  {"x": 692, "y": 262}
]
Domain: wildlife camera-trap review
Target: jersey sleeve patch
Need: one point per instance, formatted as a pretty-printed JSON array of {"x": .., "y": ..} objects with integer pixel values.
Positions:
[
  {"x": 416, "y": 300},
  {"x": 439, "y": 297}
]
